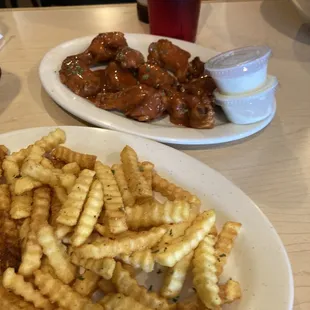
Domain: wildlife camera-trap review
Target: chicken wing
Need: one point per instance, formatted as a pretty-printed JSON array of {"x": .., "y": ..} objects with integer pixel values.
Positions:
[
  {"x": 169, "y": 56},
  {"x": 196, "y": 69},
  {"x": 105, "y": 46},
  {"x": 77, "y": 76},
  {"x": 155, "y": 76},
  {"x": 129, "y": 58}
]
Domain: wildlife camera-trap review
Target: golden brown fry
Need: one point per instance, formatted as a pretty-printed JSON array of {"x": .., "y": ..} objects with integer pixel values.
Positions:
[
  {"x": 61, "y": 193},
  {"x": 5, "y": 197},
  {"x": 130, "y": 269},
  {"x": 71, "y": 168},
  {"x": 55, "y": 207},
  {"x": 105, "y": 247},
  {"x": 71, "y": 209},
  {"x": 3, "y": 152},
  {"x": 230, "y": 291},
  {"x": 52, "y": 140},
  {"x": 32, "y": 253},
  {"x": 113, "y": 202},
  {"x": 225, "y": 243},
  {"x": 170, "y": 255},
  {"x": 155, "y": 214},
  {"x": 23, "y": 232},
  {"x": 59, "y": 260},
  {"x": 25, "y": 184},
  {"x": 147, "y": 170},
  {"x": 62, "y": 294},
  {"x": 136, "y": 181},
  {"x": 62, "y": 231},
  {"x": 106, "y": 286},
  {"x": 121, "y": 302},
  {"x": 47, "y": 163},
  {"x": 103, "y": 230},
  {"x": 213, "y": 231},
  {"x": 21, "y": 205},
  {"x": 11, "y": 301},
  {"x": 17, "y": 284},
  {"x": 38, "y": 172},
  {"x": 104, "y": 267},
  {"x": 173, "y": 232},
  {"x": 128, "y": 198},
  {"x": 89, "y": 216},
  {"x": 128, "y": 286},
  {"x": 47, "y": 268},
  {"x": 10, "y": 251},
  {"x": 141, "y": 260},
  {"x": 85, "y": 161},
  {"x": 86, "y": 283},
  {"x": 204, "y": 273},
  {"x": 175, "y": 277},
  {"x": 67, "y": 181},
  {"x": 172, "y": 191}
]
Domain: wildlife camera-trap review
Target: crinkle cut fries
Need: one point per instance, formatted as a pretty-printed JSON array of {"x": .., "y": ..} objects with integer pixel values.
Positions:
[{"x": 72, "y": 226}]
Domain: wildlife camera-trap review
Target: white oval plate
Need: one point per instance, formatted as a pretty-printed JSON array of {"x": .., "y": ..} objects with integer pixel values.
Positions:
[
  {"x": 258, "y": 260},
  {"x": 161, "y": 130}
]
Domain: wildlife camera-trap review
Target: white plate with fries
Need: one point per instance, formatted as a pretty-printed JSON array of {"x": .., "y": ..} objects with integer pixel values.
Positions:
[
  {"x": 161, "y": 130},
  {"x": 109, "y": 204}
]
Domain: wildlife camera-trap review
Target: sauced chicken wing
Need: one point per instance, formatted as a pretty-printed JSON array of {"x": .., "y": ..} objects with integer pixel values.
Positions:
[
  {"x": 117, "y": 78},
  {"x": 154, "y": 76},
  {"x": 169, "y": 56},
  {"x": 77, "y": 76},
  {"x": 129, "y": 58},
  {"x": 105, "y": 46},
  {"x": 139, "y": 102},
  {"x": 200, "y": 86},
  {"x": 196, "y": 69}
]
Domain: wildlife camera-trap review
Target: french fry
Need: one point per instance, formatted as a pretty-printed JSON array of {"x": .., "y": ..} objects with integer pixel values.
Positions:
[
  {"x": 85, "y": 161},
  {"x": 47, "y": 268},
  {"x": 59, "y": 260},
  {"x": 204, "y": 273},
  {"x": 156, "y": 214},
  {"x": 175, "y": 277},
  {"x": 62, "y": 231},
  {"x": 136, "y": 181},
  {"x": 103, "y": 230},
  {"x": 141, "y": 260},
  {"x": 32, "y": 253},
  {"x": 86, "y": 283},
  {"x": 71, "y": 209},
  {"x": 225, "y": 243},
  {"x": 25, "y": 184},
  {"x": 113, "y": 202},
  {"x": 5, "y": 197},
  {"x": 128, "y": 286},
  {"x": 55, "y": 207},
  {"x": 230, "y": 291},
  {"x": 21, "y": 205},
  {"x": 174, "y": 231},
  {"x": 47, "y": 163},
  {"x": 20, "y": 287},
  {"x": 52, "y": 140},
  {"x": 10, "y": 251},
  {"x": 71, "y": 168},
  {"x": 104, "y": 267},
  {"x": 67, "y": 181},
  {"x": 213, "y": 231},
  {"x": 172, "y": 191},
  {"x": 61, "y": 193},
  {"x": 62, "y": 294},
  {"x": 24, "y": 231},
  {"x": 147, "y": 170},
  {"x": 170, "y": 255},
  {"x": 39, "y": 173},
  {"x": 3, "y": 152},
  {"x": 128, "y": 198},
  {"x": 106, "y": 286},
  {"x": 11, "y": 301},
  {"x": 121, "y": 302},
  {"x": 89, "y": 216},
  {"x": 105, "y": 247}
]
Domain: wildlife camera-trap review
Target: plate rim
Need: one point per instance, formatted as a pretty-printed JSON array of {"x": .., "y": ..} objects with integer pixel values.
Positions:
[
  {"x": 199, "y": 139},
  {"x": 235, "y": 188}
]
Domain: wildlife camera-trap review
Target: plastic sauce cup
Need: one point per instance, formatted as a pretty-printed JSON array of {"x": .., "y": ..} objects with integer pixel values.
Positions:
[
  {"x": 251, "y": 107},
  {"x": 241, "y": 70}
]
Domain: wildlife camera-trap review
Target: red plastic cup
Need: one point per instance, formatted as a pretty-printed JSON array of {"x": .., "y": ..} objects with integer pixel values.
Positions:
[{"x": 174, "y": 18}]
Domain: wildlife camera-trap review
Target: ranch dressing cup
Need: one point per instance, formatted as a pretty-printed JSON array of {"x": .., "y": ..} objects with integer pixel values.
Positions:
[{"x": 241, "y": 70}]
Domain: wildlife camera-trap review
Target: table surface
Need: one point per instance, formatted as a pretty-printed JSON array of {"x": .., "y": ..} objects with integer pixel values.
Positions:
[{"x": 272, "y": 167}]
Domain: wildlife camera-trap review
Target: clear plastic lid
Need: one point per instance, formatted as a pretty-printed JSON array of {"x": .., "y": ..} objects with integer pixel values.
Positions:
[{"x": 238, "y": 62}]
